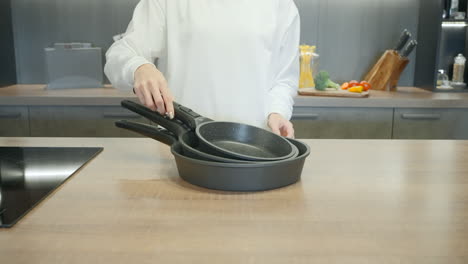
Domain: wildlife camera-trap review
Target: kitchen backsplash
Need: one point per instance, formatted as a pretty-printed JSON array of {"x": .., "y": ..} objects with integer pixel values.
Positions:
[{"x": 350, "y": 34}]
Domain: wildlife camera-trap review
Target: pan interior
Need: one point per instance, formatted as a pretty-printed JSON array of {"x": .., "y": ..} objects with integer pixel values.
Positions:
[{"x": 244, "y": 139}]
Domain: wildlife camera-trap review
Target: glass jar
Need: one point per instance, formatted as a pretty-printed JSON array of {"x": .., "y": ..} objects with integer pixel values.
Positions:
[
  {"x": 309, "y": 66},
  {"x": 459, "y": 69},
  {"x": 443, "y": 80}
]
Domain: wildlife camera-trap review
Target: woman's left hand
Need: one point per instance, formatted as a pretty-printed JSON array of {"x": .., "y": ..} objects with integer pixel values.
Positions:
[{"x": 279, "y": 125}]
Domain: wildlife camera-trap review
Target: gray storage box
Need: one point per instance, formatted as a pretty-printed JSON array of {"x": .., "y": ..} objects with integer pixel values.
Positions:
[{"x": 74, "y": 65}]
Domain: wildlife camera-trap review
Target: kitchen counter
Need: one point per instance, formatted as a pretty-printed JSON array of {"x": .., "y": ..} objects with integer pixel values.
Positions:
[
  {"x": 360, "y": 201},
  {"x": 405, "y": 97}
]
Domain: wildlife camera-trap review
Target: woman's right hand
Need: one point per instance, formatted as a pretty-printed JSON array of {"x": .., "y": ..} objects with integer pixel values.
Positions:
[{"x": 152, "y": 91}]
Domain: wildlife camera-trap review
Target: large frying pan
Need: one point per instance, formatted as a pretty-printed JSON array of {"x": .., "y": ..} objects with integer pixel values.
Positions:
[
  {"x": 231, "y": 140},
  {"x": 231, "y": 176},
  {"x": 190, "y": 142}
]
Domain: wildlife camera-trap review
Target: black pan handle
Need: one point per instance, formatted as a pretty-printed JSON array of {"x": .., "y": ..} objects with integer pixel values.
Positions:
[
  {"x": 188, "y": 116},
  {"x": 160, "y": 135},
  {"x": 171, "y": 125}
]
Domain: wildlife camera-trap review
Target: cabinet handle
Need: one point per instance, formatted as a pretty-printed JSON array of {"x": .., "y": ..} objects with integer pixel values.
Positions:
[
  {"x": 10, "y": 115},
  {"x": 120, "y": 115},
  {"x": 305, "y": 116},
  {"x": 421, "y": 116}
]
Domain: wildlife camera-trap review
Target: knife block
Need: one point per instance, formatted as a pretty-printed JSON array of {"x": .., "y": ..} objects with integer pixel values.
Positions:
[{"x": 385, "y": 74}]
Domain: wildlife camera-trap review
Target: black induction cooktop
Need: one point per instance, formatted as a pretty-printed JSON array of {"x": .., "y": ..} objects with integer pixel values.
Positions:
[{"x": 28, "y": 175}]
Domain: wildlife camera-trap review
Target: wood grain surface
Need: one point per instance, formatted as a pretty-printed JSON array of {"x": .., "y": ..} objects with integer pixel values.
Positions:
[
  {"x": 360, "y": 201},
  {"x": 331, "y": 93}
]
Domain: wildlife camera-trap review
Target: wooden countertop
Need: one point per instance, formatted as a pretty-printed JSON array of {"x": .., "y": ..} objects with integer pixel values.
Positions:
[
  {"x": 360, "y": 201},
  {"x": 405, "y": 97},
  {"x": 39, "y": 95}
]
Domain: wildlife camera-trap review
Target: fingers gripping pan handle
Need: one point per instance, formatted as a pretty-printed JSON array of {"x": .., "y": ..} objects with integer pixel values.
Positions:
[
  {"x": 170, "y": 125},
  {"x": 160, "y": 135},
  {"x": 188, "y": 116}
]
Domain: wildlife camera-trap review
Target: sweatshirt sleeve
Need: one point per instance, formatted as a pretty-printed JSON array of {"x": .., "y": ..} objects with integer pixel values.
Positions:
[
  {"x": 286, "y": 76},
  {"x": 142, "y": 43}
]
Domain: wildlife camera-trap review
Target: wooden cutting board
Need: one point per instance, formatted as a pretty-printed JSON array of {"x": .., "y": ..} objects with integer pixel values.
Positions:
[{"x": 332, "y": 93}]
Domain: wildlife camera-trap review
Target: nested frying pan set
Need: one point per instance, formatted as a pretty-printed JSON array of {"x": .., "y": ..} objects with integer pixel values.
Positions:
[{"x": 224, "y": 156}]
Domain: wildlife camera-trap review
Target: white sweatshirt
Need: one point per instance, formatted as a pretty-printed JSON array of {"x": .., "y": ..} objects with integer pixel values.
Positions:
[{"x": 229, "y": 60}]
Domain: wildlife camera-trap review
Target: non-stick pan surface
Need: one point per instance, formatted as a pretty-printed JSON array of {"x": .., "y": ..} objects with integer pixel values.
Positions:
[{"x": 236, "y": 177}]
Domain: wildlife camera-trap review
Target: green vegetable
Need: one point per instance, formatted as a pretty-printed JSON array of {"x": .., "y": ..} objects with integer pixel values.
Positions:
[
  {"x": 333, "y": 85},
  {"x": 322, "y": 82}
]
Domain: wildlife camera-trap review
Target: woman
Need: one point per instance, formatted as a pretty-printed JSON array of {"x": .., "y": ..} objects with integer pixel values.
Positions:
[{"x": 230, "y": 60}]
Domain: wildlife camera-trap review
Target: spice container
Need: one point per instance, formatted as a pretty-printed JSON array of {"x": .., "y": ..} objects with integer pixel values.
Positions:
[{"x": 459, "y": 69}]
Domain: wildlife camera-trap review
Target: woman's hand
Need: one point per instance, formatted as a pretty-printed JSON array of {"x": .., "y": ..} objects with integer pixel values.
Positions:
[
  {"x": 279, "y": 125},
  {"x": 152, "y": 91}
]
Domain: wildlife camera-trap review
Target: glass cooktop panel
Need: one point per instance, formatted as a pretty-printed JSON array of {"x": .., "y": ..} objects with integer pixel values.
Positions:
[{"x": 28, "y": 175}]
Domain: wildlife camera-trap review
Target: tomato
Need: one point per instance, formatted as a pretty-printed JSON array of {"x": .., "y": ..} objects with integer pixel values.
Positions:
[
  {"x": 345, "y": 86},
  {"x": 353, "y": 83},
  {"x": 367, "y": 86}
]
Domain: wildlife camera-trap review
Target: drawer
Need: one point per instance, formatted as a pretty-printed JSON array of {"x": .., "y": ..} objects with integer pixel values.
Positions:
[
  {"x": 14, "y": 121},
  {"x": 343, "y": 123},
  {"x": 80, "y": 121},
  {"x": 430, "y": 124}
]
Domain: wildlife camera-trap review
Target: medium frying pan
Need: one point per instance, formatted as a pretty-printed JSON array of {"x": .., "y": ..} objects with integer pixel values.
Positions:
[
  {"x": 235, "y": 177},
  {"x": 235, "y": 140},
  {"x": 191, "y": 144}
]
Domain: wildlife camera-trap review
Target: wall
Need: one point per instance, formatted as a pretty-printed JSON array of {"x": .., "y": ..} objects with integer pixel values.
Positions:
[
  {"x": 39, "y": 23},
  {"x": 350, "y": 34},
  {"x": 7, "y": 55}
]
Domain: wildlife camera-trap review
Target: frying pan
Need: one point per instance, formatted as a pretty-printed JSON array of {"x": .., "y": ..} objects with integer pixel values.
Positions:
[
  {"x": 187, "y": 138},
  {"x": 230, "y": 140},
  {"x": 235, "y": 140},
  {"x": 259, "y": 176}
]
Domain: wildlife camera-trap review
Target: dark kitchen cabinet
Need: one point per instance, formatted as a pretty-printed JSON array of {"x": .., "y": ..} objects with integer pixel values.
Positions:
[
  {"x": 80, "y": 121},
  {"x": 440, "y": 41},
  {"x": 14, "y": 121},
  {"x": 7, "y": 49},
  {"x": 343, "y": 123},
  {"x": 430, "y": 124}
]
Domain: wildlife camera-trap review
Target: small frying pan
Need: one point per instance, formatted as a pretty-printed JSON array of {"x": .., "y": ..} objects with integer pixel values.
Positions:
[
  {"x": 192, "y": 144},
  {"x": 259, "y": 176},
  {"x": 235, "y": 140},
  {"x": 188, "y": 141}
]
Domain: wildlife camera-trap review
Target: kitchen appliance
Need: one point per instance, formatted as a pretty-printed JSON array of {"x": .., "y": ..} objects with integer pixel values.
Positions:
[
  {"x": 29, "y": 174},
  {"x": 74, "y": 65},
  {"x": 237, "y": 177}
]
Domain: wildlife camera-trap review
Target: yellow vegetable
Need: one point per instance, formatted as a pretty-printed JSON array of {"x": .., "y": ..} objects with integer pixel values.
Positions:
[{"x": 356, "y": 89}]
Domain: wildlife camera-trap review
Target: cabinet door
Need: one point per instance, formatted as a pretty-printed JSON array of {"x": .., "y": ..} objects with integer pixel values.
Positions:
[
  {"x": 80, "y": 121},
  {"x": 431, "y": 124},
  {"x": 343, "y": 123},
  {"x": 14, "y": 121}
]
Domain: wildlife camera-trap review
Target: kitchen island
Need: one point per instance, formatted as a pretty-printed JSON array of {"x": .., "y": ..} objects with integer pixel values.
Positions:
[{"x": 359, "y": 201}]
